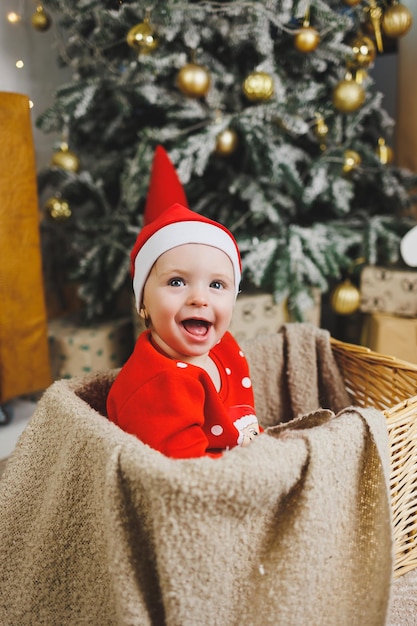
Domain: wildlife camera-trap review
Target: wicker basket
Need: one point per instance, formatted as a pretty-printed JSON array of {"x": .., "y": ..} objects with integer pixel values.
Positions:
[{"x": 390, "y": 384}]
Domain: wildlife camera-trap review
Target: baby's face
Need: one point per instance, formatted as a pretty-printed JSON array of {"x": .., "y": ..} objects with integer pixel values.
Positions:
[{"x": 189, "y": 296}]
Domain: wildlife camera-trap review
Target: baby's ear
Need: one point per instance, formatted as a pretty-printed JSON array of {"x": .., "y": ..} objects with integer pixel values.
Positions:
[{"x": 143, "y": 313}]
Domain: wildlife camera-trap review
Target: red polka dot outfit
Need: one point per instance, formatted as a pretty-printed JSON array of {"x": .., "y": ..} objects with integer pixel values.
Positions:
[{"x": 174, "y": 407}]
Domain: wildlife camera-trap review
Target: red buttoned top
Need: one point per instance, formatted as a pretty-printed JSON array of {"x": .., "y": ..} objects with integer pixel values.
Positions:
[{"x": 174, "y": 407}]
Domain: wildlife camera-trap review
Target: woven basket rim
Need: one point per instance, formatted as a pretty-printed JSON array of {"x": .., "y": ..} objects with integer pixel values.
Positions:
[{"x": 377, "y": 357}]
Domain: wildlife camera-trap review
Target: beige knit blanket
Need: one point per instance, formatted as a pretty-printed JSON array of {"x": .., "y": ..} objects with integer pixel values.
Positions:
[{"x": 98, "y": 529}]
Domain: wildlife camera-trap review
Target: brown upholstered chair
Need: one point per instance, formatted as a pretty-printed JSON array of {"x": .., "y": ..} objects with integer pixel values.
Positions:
[{"x": 24, "y": 358}]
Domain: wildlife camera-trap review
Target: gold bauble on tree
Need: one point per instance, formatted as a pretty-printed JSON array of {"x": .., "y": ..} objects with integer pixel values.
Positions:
[
  {"x": 142, "y": 37},
  {"x": 345, "y": 298},
  {"x": 351, "y": 161},
  {"x": 363, "y": 51},
  {"x": 307, "y": 39},
  {"x": 348, "y": 95},
  {"x": 384, "y": 153},
  {"x": 258, "y": 86},
  {"x": 41, "y": 20},
  {"x": 226, "y": 142},
  {"x": 396, "y": 20},
  {"x": 57, "y": 209},
  {"x": 193, "y": 80},
  {"x": 65, "y": 159},
  {"x": 351, "y": 3}
]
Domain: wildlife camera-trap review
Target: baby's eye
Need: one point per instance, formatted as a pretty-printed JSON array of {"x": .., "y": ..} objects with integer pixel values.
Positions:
[
  {"x": 176, "y": 282},
  {"x": 216, "y": 284}
]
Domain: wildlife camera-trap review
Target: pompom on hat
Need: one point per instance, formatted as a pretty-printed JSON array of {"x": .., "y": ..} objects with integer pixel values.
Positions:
[{"x": 168, "y": 223}]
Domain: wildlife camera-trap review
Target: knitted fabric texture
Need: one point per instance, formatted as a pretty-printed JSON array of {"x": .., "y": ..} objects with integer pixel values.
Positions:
[{"x": 98, "y": 528}]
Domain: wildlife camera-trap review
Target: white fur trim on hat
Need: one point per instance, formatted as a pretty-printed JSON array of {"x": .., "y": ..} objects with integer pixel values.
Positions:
[{"x": 178, "y": 234}]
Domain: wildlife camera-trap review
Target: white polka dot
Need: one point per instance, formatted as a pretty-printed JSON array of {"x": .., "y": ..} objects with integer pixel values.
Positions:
[
  {"x": 228, "y": 371},
  {"x": 217, "y": 430},
  {"x": 181, "y": 364},
  {"x": 246, "y": 382},
  {"x": 241, "y": 353}
]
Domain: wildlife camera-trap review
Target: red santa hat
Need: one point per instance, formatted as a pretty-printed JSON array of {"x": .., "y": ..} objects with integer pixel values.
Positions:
[{"x": 168, "y": 223}]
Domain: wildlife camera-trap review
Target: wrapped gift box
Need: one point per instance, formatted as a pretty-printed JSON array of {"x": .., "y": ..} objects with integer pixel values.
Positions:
[
  {"x": 388, "y": 291},
  {"x": 391, "y": 335},
  {"x": 258, "y": 314},
  {"x": 76, "y": 350}
]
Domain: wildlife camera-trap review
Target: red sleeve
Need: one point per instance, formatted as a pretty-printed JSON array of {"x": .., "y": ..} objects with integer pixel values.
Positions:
[{"x": 167, "y": 413}]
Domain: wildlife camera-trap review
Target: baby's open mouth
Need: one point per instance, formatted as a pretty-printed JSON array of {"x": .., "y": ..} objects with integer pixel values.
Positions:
[{"x": 196, "y": 327}]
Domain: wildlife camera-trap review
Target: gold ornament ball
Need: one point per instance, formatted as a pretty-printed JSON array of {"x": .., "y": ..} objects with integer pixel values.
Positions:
[
  {"x": 258, "y": 86},
  {"x": 384, "y": 153},
  {"x": 58, "y": 209},
  {"x": 364, "y": 51},
  {"x": 142, "y": 38},
  {"x": 193, "y": 80},
  {"x": 351, "y": 3},
  {"x": 345, "y": 298},
  {"x": 40, "y": 20},
  {"x": 307, "y": 39},
  {"x": 352, "y": 160},
  {"x": 348, "y": 96},
  {"x": 396, "y": 20},
  {"x": 65, "y": 159},
  {"x": 226, "y": 142}
]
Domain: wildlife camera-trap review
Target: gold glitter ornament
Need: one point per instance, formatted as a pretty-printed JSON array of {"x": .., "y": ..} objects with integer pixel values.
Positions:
[
  {"x": 396, "y": 20},
  {"x": 348, "y": 95},
  {"x": 352, "y": 160},
  {"x": 65, "y": 159},
  {"x": 307, "y": 39},
  {"x": 384, "y": 153},
  {"x": 193, "y": 80},
  {"x": 142, "y": 37},
  {"x": 345, "y": 299},
  {"x": 258, "y": 86},
  {"x": 41, "y": 20},
  {"x": 364, "y": 51},
  {"x": 226, "y": 143},
  {"x": 58, "y": 209}
]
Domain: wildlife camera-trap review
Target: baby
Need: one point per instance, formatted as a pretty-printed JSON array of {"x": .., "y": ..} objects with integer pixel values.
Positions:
[{"x": 186, "y": 389}]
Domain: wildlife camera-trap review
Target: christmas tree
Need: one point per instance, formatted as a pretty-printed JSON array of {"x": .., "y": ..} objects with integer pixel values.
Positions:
[{"x": 268, "y": 112}]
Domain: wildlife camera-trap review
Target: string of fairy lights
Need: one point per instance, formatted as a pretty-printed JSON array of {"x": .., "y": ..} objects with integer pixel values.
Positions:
[{"x": 38, "y": 19}]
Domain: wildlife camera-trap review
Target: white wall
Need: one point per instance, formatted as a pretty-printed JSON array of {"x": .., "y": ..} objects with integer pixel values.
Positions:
[{"x": 40, "y": 75}]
